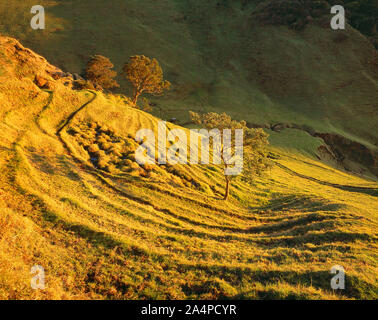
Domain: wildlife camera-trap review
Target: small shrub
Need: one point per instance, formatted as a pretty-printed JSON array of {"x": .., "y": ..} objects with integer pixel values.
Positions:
[
  {"x": 104, "y": 128},
  {"x": 111, "y": 168},
  {"x": 93, "y": 125},
  {"x": 93, "y": 148},
  {"x": 102, "y": 163},
  {"x": 101, "y": 140},
  {"x": 117, "y": 153},
  {"x": 100, "y": 153},
  {"x": 87, "y": 135},
  {"x": 116, "y": 150},
  {"x": 85, "y": 143},
  {"x": 106, "y": 146},
  {"x": 114, "y": 159}
]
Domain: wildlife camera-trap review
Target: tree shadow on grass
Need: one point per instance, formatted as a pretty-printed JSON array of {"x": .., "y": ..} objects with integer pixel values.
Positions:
[
  {"x": 316, "y": 239},
  {"x": 355, "y": 287},
  {"x": 298, "y": 202},
  {"x": 96, "y": 238}
]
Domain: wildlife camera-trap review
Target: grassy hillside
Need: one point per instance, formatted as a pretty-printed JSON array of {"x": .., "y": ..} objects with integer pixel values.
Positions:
[
  {"x": 119, "y": 231},
  {"x": 220, "y": 56}
]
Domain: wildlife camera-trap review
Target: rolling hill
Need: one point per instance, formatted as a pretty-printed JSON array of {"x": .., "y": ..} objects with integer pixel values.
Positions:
[
  {"x": 235, "y": 56},
  {"x": 111, "y": 229}
]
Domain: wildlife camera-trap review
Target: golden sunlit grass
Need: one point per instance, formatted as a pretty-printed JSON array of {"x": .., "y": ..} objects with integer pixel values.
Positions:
[{"x": 122, "y": 235}]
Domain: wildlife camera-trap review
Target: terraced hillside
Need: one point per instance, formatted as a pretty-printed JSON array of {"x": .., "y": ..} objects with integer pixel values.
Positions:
[
  {"x": 112, "y": 229},
  {"x": 270, "y": 62}
]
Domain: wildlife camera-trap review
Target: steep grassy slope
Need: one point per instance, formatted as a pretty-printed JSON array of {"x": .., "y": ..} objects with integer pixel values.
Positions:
[
  {"x": 220, "y": 57},
  {"x": 129, "y": 234}
]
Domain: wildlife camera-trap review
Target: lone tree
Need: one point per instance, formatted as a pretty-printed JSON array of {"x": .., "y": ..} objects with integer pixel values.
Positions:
[
  {"x": 99, "y": 72},
  {"x": 145, "y": 75},
  {"x": 255, "y": 141}
]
